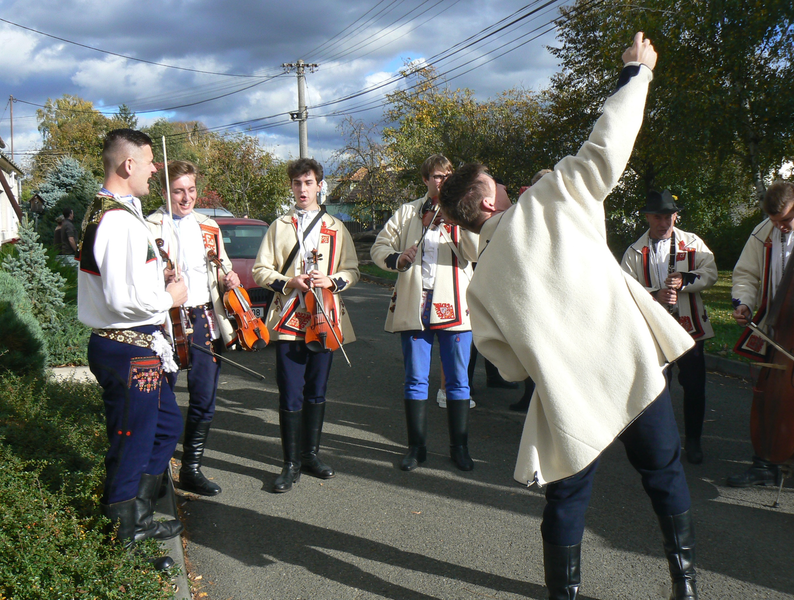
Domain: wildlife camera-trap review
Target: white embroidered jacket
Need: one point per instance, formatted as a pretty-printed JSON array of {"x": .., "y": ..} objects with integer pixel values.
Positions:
[
  {"x": 450, "y": 309},
  {"x": 695, "y": 261}
]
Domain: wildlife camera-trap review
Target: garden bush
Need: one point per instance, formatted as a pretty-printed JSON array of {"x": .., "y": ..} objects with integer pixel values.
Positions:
[
  {"x": 23, "y": 348},
  {"x": 52, "y": 542}
]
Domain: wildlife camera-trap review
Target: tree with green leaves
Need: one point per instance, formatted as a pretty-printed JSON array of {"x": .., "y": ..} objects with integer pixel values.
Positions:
[
  {"x": 428, "y": 117},
  {"x": 70, "y": 126},
  {"x": 365, "y": 175},
  {"x": 718, "y": 118},
  {"x": 250, "y": 179}
]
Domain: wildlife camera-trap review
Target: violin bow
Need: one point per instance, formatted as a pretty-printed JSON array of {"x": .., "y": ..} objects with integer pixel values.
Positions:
[
  {"x": 769, "y": 340},
  {"x": 424, "y": 233},
  {"x": 760, "y": 332},
  {"x": 168, "y": 204},
  {"x": 422, "y": 237},
  {"x": 228, "y": 360}
]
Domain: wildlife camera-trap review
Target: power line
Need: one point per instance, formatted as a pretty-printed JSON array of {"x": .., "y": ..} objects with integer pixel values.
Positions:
[{"x": 148, "y": 62}]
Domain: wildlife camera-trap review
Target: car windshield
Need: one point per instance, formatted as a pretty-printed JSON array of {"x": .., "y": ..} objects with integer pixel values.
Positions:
[{"x": 242, "y": 241}]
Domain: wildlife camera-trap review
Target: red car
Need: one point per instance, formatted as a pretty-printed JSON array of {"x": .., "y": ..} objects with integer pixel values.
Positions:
[{"x": 242, "y": 238}]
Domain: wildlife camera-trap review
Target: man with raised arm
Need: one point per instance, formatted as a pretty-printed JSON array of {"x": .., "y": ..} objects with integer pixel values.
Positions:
[
  {"x": 124, "y": 298},
  {"x": 548, "y": 300}
]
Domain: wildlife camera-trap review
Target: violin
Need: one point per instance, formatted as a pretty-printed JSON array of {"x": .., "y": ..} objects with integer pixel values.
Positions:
[
  {"x": 252, "y": 333},
  {"x": 772, "y": 413},
  {"x": 323, "y": 331},
  {"x": 180, "y": 320}
]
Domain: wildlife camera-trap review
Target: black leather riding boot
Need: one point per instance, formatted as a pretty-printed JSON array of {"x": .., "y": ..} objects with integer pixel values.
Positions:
[
  {"x": 123, "y": 515},
  {"x": 761, "y": 472},
  {"x": 679, "y": 548},
  {"x": 416, "y": 419},
  {"x": 458, "y": 420},
  {"x": 313, "y": 417},
  {"x": 561, "y": 565},
  {"x": 145, "y": 525},
  {"x": 190, "y": 476},
  {"x": 290, "y": 423}
]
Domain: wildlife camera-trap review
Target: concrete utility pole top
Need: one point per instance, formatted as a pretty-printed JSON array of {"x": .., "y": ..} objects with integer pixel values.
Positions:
[{"x": 302, "y": 113}]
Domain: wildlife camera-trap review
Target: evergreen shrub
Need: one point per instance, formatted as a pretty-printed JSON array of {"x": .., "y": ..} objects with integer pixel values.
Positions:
[
  {"x": 52, "y": 542},
  {"x": 23, "y": 348},
  {"x": 28, "y": 264}
]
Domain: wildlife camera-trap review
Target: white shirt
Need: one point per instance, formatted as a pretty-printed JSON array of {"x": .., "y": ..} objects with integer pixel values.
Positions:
[
  {"x": 430, "y": 257},
  {"x": 192, "y": 259},
  {"x": 130, "y": 289}
]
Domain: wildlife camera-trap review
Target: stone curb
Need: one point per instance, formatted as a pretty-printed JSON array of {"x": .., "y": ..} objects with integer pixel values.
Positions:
[{"x": 726, "y": 366}]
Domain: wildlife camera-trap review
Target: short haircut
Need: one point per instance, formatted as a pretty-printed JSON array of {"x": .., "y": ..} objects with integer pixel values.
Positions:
[
  {"x": 302, "y": 166},
  {"x": 433, "y": 162},
  {"x": 118, "y": 138},
  {"x": 59, "y": 219},
  {"x": 777, "y": 196},
  {"x": 177, "y": 169},
  {"x": 462, "y": 193},
  {"x": 537, "y": 176},
  {"x": 67, "y": 212}
]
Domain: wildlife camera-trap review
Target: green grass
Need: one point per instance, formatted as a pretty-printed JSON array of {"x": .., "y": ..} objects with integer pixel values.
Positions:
[
  {"x": 376, "y": 271},
  {"x": 720, "y": 310}
]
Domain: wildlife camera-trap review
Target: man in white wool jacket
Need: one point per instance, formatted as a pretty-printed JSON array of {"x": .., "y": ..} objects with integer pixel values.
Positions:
[
  {"x": 429, "y": 301},
  {"x": 593, "y": 340}
]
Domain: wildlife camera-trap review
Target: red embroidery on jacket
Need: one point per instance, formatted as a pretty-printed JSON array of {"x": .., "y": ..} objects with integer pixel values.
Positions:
[
  {"x": 755, "y": 343},
  {"x": 299, "y": 320},
  {"x": 444, "y": 310},
  {"x": 686, "y": 323}
]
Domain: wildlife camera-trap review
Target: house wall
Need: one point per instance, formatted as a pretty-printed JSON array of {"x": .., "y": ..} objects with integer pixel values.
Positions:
[{"x": 9, "y": 223}]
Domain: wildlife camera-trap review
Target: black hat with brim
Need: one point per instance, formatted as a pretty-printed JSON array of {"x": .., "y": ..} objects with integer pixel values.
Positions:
[{"x": 660, "y": 203}]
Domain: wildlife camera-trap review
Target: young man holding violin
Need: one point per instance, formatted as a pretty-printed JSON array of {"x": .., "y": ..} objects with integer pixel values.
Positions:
[
  {"x": 549, "y": 301},
  {"x": 434, "y": 261},
  {"x": 189, "y": 238},
  {"x": 756, "y": 280},
  {"x": 305, "y": 255},
  {"x": 124, "y": 298}
]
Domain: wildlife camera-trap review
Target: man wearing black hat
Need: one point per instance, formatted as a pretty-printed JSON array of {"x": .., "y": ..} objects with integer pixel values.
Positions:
[{"x": 675, "y": 266}]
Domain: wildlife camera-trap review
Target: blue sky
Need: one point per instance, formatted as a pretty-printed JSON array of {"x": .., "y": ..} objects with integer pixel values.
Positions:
[{"x": 357, "y": 45}]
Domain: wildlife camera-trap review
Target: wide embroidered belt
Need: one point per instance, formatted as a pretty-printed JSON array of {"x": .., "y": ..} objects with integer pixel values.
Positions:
[
  {"x": 127, "y": 336},
  {"x": 155, "y": 342}
]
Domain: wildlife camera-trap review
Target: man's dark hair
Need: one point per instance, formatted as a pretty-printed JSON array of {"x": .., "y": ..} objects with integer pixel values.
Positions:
[
  {"x": 67, "y": 212},
  {"x": 118, "y": 137},
  {"x": 777, "y": 196},
  {"x": 302, "y": 166},
  {"x": 462, "y": 193},
  {"x": 133, "y": 136}
]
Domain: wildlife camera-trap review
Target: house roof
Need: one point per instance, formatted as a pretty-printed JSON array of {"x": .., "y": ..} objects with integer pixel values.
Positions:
[{"x": 8, "y": 165}]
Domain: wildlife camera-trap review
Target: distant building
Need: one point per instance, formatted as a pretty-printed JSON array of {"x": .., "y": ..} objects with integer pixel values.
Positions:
[{"x": 10, "y": 213}]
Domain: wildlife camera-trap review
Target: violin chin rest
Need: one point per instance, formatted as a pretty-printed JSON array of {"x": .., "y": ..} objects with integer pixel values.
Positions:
[
  {"x": 314, "y": 346},
  {"x": 259, "y": 345}
]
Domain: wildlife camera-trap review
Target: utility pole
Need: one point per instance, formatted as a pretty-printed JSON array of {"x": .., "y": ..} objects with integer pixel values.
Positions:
[
  {"x": 302, "y": 114},
  {"x": 11, "y": 104}
]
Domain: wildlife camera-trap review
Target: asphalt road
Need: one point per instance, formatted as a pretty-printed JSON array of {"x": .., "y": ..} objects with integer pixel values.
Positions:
[{"x": 437, "y": 533}]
